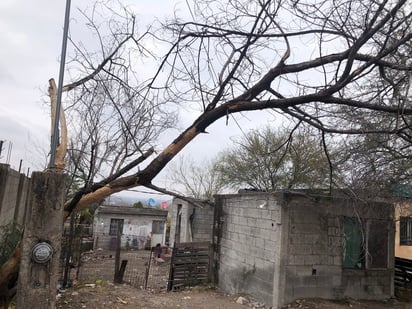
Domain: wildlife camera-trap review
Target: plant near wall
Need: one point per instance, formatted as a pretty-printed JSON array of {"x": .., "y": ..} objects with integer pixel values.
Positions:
[{"x": 10, "y": 235}]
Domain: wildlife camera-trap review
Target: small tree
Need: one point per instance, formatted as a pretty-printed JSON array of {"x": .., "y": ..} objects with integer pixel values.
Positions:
[
  {"x": 138, "y": 205},
  {"x": 271, "y": 159},
  {"x": 200, "y": 181}
]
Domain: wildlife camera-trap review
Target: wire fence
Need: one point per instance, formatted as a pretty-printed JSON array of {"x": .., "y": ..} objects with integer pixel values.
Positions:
[
  {"x": 149, "y": 271},
  {"x": 145, "y": 269}
]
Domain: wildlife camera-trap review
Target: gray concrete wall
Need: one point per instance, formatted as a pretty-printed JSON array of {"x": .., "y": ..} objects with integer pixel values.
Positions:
[
  {"x": 37, "y": 283},
  {"x": 13, "y": 195},
  {"x": 201, "y": 227},
  {"x": 202, "y": 224},
  {"x": 250, "y": 245},
  {"x": 184, "y": 226},
  {"x": 314, "y": 252}
]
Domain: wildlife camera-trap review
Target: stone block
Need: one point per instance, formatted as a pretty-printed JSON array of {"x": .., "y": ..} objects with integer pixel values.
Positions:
[
  {"x": 297, "y": 239},
  {"x": 337, "y": 260},
  {"x": 312, "y": 239},
  {"x": 333, "y": 222},
  {"x": 270, "y": 244},
  {"x": 252, "y": 222},
  {"x": 242, "y": 221},
  {"x": 246, "y": 230},
  {"x": 334, "y": 231},
  {"x": 256, "y": 231},
  {"x": 300, "y": 249},
  {"x": 275, "y": 215},
  {"x": 302, "y": 270},
  {"x": 320, "y": 249},
  {"x": 269, "y": 235},
  {"x": 304, "y": 216},
  {"x": 309, "y": 281},
  {"x": 299, "y": 259},
  {"x": 311, "y": 259},
  {"x": 259, "y": 242},
  {"x": 309, "y": 292}
]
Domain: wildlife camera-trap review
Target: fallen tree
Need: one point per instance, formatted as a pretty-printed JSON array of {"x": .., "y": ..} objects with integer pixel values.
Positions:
[{"x": 244, "y": 57}]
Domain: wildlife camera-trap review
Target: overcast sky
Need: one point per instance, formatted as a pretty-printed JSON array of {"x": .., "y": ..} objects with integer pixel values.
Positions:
[{"x": 31, "y": 36}]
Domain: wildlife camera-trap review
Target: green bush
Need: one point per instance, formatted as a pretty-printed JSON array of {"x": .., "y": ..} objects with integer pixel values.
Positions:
[{"x": 10, "y": 235}]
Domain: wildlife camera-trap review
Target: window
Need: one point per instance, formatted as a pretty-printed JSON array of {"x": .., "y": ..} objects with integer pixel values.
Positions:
[
  {"x": 116, "y": 224},
  {"x": 158, "y": 227},
  {"x": 352, "y": 244},
  {"x": 405, "y": 231},
  {"x": 360, "y": 242}
]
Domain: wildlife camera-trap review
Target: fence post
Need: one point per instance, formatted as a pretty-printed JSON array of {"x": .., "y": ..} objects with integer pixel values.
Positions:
[
  {"x": 117, "y": 278},
  {"x": 39, "y": 267}
]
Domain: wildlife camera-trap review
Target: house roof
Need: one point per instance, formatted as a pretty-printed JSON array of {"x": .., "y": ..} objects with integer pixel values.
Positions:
[{"x": 128, "y": 210}]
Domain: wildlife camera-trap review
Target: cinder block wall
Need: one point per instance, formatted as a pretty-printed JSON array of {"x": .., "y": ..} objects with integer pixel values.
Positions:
[
  {"x": 202, "y": 224},
  {"x": 314, "y": 252},
  {"x": 14, "y": 189},
  {"x": 250, "y": 245}
]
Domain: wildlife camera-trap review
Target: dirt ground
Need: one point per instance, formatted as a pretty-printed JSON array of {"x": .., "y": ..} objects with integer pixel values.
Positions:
[
  {"x": 96, "y": 290},
  {"x": 108, "y": 295}
]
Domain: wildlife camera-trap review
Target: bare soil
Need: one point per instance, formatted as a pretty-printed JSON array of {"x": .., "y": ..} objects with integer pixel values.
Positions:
[
  {"x": 95, "y": 289},
  {"x": 125, "y": 296}
]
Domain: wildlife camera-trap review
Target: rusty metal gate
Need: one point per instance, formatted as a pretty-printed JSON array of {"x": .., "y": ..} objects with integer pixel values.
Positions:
[{"x": 190, "y": 265}]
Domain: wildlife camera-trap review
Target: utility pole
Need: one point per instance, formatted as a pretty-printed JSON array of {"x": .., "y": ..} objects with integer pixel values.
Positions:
[{"x": 55, "y": 135}]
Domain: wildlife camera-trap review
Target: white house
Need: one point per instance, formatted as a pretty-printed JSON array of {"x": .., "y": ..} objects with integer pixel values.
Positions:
[{"x": 140, "y": 227}]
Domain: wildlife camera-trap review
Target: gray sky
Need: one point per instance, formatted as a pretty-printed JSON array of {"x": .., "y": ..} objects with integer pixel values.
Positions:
[
  {"x": 31, "y": 35},
  {"x": 31, "y": 39}
]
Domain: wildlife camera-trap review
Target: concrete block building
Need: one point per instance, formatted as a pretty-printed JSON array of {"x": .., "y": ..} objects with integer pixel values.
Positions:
[{"x": 284, "y": 246}]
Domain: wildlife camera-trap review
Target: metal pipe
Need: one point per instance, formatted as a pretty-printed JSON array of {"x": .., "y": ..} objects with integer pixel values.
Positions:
[{"x": 55, "y": 135}]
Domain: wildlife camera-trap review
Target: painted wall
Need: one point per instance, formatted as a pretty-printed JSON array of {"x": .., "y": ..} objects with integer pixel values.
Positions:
[
  {"x": 137, "y": 228},
  {"x": 403, "y": 209}
]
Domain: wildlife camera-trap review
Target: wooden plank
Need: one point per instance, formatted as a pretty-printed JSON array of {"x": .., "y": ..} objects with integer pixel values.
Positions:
[
  {"x": 190, "y": 264},
  {"x": 403, "y": 274}
]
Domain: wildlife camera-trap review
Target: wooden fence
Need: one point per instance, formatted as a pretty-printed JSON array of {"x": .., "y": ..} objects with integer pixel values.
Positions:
[
  {"x": 190, "y": 265},
  {"x": 403, "y": 278}
]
